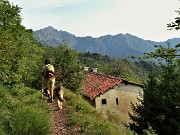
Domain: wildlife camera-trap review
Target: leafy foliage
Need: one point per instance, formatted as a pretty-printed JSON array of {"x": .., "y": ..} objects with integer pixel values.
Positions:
[
  {"x": 69, "y": 72},
  {"x": 19, "y": 53},
  {"x": 159, "y": 110},
  {"x": 9, "y": 15},
  {"x": 175, "y": 25}
]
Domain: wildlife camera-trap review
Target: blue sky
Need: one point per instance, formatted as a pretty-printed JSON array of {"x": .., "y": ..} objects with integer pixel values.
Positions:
[{"x": 146, "y": 19}]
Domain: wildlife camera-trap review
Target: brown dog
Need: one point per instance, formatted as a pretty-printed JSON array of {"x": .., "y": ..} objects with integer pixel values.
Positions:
[{"x": 58, "y": 96}]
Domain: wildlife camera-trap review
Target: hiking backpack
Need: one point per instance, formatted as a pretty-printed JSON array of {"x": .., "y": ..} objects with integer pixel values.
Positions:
[{"x": 49, "y": 71}]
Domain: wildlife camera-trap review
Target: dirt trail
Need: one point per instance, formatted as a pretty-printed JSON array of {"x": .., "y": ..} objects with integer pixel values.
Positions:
[{"x": 60, "y": 120}]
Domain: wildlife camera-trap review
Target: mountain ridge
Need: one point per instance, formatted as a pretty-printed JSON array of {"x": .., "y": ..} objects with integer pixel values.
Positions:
[{"x": 119, "y": 45}]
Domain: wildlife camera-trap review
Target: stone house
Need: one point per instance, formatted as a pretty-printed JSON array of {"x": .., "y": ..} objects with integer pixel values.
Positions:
[{"x": 111, "y": 95}]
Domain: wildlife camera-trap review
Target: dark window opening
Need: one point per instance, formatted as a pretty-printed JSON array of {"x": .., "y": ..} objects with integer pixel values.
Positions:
[
  {"x": 104, "y": 101},
  {"x": 117, "y": 101}
]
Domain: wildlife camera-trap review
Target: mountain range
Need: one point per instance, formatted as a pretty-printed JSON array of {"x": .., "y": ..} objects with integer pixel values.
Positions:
[{"x": 119, "y": 46}]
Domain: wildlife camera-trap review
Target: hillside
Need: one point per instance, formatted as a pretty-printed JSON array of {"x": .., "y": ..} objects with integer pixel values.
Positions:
[
  {"x": 136, "y": 71},
  {"x": 120, "y": 45},
  {"x": 23, "y": 110}
]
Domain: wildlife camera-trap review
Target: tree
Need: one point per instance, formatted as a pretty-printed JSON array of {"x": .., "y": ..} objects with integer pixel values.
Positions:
[
  {"x": 20, "y": 53},
  {"x": 159, "y": 109},
  {"x": 68, "y": 70},
  {"x": 176, "y": 24}
]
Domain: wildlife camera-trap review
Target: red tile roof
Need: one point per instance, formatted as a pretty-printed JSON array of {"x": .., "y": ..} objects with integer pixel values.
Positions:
[{"x": 96, "y": 83}]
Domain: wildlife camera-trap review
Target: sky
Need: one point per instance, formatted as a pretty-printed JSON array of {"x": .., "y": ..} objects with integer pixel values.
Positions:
[{"x": 146, "y": 19}]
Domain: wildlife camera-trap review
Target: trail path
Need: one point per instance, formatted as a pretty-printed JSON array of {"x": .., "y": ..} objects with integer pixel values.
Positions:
[{"x": 60, "y": 122}]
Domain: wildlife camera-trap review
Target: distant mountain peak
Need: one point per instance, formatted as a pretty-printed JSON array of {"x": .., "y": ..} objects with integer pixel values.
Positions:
[
  {"x": 50, "y": 28},
  {"x": 119, "y": 45}
]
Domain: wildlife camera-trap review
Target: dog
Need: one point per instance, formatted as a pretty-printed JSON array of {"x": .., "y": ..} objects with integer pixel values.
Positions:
[{"x": 58, "y": 96}]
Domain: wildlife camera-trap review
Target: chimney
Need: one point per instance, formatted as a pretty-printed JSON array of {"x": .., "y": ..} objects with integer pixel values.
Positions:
[
  {"x": 86, "y": 68},
  {"x": 94, "y": 70}
]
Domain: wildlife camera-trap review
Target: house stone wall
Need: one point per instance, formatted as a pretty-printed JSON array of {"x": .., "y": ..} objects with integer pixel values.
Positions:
[{"x": 118, "y": 102}]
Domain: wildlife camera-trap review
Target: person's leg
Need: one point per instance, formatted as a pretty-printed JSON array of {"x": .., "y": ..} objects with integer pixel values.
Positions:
[
  {"x": 51, "y": 89},
  {"x": 46, "y": 87}
]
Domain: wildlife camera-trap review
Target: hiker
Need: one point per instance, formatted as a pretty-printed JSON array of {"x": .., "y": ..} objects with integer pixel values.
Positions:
[{"x": 48, "y": 79}]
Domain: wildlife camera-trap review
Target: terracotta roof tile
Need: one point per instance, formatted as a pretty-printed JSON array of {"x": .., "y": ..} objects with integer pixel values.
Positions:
[{"x": 96, "y": 84}]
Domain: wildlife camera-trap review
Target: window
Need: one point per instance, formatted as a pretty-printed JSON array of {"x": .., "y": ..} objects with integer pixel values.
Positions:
[
  {"x": 117, "y": 101},
  {"x": 104, "y": 101}
]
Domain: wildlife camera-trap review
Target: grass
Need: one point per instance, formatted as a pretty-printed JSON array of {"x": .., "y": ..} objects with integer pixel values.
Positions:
[
  {"x": 22, "y": 111},
  {"x": 91, "y": 122},
  {"x": 29, "y": 121}
]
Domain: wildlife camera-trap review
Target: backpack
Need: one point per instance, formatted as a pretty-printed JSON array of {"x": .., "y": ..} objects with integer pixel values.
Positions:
[
  {"x": 49, "y": 68},
  {"x": 49, "y": 71}
]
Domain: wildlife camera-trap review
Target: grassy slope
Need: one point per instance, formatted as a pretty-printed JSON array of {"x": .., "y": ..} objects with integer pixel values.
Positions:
[
  {"x": 24, "y": 112},
  {"x": 91, "y": 122}
]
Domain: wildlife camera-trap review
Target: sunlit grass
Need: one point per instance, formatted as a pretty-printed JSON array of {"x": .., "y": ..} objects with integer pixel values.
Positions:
[
  {"x": 84, "y": 114},
  {"x": 22, "y": 111}
]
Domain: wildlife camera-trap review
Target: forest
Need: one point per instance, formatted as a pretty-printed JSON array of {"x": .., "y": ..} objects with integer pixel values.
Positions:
[{"x": 22, "y": 58}]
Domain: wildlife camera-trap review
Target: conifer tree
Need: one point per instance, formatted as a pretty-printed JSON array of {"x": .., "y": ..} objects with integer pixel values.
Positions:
[{"x": 159, "y": 109}]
